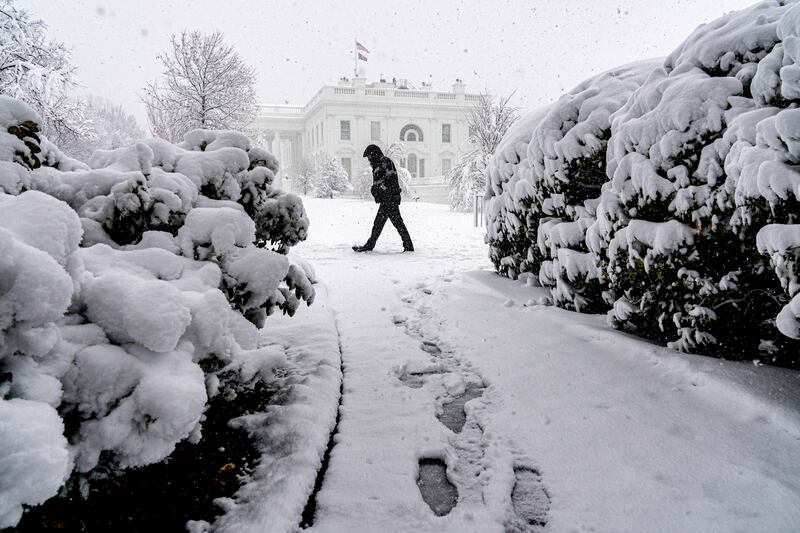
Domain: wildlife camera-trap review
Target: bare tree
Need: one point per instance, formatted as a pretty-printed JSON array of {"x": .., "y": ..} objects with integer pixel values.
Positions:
[
  {"x": 488, "y": 121},
  {"x": 110, "y": 127},
  {"x": 205, "y": 85},
  {"x": 39, "y": 72}
]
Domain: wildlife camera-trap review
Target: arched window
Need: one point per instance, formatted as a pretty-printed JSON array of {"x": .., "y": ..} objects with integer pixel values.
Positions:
[
  {"x": 412, "y": 165},
  {"x": 411, "y": 133}
]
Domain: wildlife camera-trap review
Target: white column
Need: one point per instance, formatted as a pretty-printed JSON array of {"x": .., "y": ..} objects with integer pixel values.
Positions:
[
  {"x": 268, "y": 140},
  {"x": 276, "y": 145}
]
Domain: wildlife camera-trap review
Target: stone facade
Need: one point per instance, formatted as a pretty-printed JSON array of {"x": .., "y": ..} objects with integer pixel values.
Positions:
[{"x": 341, "y": 120}]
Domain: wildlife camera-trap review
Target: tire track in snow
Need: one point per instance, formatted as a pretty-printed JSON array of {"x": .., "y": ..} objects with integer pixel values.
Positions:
[{"x": 465, "y": 401}]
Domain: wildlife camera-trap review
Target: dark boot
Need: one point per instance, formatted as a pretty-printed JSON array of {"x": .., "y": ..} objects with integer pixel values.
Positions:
[{"x": 362, "y": 248}]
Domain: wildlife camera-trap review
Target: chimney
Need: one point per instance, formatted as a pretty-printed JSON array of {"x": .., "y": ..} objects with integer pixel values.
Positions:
[{"x": 459, "y": 87}]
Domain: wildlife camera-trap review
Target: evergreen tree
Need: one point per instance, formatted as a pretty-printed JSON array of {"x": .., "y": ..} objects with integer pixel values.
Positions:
[
  {"x": 304, "y": 179},
  {"x": 331, "y": 179}
]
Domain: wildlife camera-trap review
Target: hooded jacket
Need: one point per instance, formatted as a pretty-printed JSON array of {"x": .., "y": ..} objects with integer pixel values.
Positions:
[{"x": 385, "y": 184}]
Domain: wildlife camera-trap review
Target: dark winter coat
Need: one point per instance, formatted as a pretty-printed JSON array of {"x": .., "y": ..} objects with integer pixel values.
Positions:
[{"x": 385, "y": 185}]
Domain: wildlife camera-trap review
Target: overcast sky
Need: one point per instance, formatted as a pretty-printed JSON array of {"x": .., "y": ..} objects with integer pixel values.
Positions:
[{"x": 537, "y": 48}]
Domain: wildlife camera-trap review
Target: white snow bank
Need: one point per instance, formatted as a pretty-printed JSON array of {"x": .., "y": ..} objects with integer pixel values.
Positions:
[
  {"x": 43, "y": 222},
  {"x": 789, "y": 318},
  {"x": 33, "y": 456},
  {"x": 292, "y": 436},
  {"x": 215, "y": 231}
]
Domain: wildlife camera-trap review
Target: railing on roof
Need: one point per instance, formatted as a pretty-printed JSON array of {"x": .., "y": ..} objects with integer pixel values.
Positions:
[
  {"x": 281, "y": 110},
  {"x": 411, "y": 94},
  {"x": 369, "y": 92}
]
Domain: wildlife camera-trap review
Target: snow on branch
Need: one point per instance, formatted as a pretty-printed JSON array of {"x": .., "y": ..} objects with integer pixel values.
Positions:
[{"x": 205, "y": 85}]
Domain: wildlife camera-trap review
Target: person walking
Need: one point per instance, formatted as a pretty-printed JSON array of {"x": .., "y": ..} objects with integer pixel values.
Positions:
[{"x": 386, "y": 191}]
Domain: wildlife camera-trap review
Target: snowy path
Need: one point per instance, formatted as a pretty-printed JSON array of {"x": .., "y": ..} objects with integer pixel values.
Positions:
[{"x": 572, "y": 424}]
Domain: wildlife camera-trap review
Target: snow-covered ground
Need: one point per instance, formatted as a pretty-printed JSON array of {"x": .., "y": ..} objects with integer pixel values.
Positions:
[{"x": 590, "y": 429}]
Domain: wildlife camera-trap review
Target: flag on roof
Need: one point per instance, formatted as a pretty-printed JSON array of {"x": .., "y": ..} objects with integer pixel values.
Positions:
[
  {"x": 362, "y": 57},
  {"x": 361, "y": 48}
]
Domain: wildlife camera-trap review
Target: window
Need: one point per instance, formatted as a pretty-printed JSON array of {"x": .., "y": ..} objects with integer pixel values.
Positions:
[
  {"x": 411, "y": 133},
  {"x": 421, "y": 168},
  {"x": 344, "y": 130},
  {"x": 375, "y": 130},
  {"x": 447, "y": 164},
  {"x": 347, "y": 165},
  {"x": 445, "y": 133},
  {"x": 471, "y": 133},
  {"x": 412, "y": 165}
]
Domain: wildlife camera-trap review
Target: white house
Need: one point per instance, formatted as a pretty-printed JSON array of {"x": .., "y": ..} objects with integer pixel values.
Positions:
[{"x": 341, "y": 120}]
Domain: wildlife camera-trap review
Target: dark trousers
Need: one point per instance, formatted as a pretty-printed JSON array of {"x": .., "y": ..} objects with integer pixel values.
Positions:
[{"x": 391, "y": 211}]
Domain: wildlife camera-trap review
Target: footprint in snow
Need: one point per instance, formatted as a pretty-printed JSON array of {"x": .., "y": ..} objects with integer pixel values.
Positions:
[
  {"x": 399, "y": 320},
  {"x": 436, "y": 490},
  {"x": 453, "y": 414},
  {"x": 415, "y": 379},
  {"x": 431, "y": 347},
  {"x": 530, "y": 502}
]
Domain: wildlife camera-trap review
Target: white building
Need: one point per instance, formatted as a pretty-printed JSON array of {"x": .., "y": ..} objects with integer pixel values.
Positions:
[{"x": 342, "y": 120}]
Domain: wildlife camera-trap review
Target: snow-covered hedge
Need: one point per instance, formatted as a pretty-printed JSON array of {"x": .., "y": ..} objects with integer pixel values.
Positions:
[
  {"x": 512, "y": 213},
  {"x": 128, "y": 291},
  {"x": 551, "y": 163},
  {"x": 568, "y": 156},
  {"x": 702, "y": 157},
  {"x": 694, "y": 239}
]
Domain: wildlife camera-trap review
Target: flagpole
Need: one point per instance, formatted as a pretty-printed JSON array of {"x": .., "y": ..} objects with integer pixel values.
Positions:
[{"x": 355, "y": 58}]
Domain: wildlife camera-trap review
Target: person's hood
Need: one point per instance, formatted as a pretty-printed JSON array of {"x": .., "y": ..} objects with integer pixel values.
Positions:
[{"x": 373, "y": 149}]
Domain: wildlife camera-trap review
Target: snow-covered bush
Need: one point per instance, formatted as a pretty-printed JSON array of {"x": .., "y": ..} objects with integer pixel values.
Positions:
[
  {"x": 549, "y": 164},
  {"x": 693, "y": 240},
  {"x": 127, "y": 292},
  {"x": 509, "y": 203},
  {"x": 702, "y": 157},
  {"x": 568, "y": 167}
]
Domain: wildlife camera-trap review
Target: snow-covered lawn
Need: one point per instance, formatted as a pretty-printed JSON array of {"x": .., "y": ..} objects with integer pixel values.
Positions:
[{"x": 592, "y": 430}]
